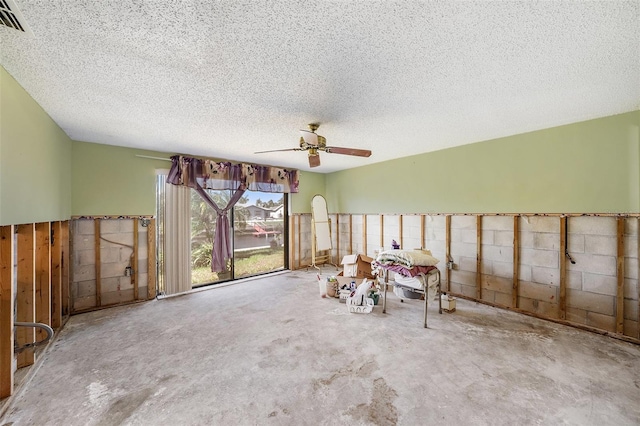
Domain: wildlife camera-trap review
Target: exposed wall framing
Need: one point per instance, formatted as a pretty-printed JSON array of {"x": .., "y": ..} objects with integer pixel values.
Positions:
[
  {"x": 113, "y": 261},
  {"x": 576, "y": 269},
  {"x": 33, "y": 284}
]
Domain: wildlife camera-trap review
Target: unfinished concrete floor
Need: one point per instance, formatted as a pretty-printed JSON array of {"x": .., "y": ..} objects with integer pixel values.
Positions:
[{"x": 270, "y": 351}]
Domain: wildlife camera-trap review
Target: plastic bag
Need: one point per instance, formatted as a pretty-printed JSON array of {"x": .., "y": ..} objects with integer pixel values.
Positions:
[{"x": 322, "y": 286}]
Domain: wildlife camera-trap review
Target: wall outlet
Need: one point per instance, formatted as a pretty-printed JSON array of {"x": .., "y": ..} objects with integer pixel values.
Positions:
[{"x": 127, "y": 271}]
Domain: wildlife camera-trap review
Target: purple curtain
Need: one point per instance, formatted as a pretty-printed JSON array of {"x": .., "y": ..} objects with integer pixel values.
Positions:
[
  {"x": 202, "y": 174},
  {"x": 222, "y": 249}
]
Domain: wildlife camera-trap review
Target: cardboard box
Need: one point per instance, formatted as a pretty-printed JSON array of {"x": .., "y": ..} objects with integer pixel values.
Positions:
[{"x": 357, "y": 265}]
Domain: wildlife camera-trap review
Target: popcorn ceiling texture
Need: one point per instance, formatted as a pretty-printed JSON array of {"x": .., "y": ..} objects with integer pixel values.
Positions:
[{"x": 225, "y": 79}]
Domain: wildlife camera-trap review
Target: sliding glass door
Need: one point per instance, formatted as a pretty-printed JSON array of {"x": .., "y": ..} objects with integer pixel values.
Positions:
[{"x": 258, "y": 234}]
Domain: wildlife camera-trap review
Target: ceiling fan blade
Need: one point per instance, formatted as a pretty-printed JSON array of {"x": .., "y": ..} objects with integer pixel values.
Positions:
[
  {"x": 348, "y": 151},
  {"x": 314, "y": 160},
  {"x": 280, "y": 150}
]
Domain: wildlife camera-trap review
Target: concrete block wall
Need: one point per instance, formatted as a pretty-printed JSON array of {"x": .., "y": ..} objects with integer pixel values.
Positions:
[
  {"x": 539, "y": 268},
  {"x": 591, "y": 283},
  {"x": 497, "y": 260},
  {"x": 115, "y": 256},
  {"x": 464, "y": 254}
]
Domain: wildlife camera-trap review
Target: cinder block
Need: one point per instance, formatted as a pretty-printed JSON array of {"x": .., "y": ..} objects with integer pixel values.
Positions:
[
  {"x": 467, "y": 290},
  {"x": 601, "y": 284},
  {"x": 110, "y": 226},
  {"x": 504, "y": 299},
  {"x": 575, "y": 243},
  {"x": 83, "y": 226},
  {"x": 526, "y": 240},
  {"x": 84, "y": 273},
  {"x": 576, "y": 315},
  {"x": 125, "y": 283},
  {"x": 630, "y": 246},
  {"x": 546, "y": 241},
  {"x": 549, "y": 310},
  {"x": 539, "y": 224},
  {"x": 631, "y": 289},
  {"x": 631, "y": 226},
  {"x": 85, "y": 289},
  {"x": 462, "y": 249},
  {"x": 631, "y": 309},
  {"x": 549, "y": 276},
  {"x": 488, "y": 295},
  {"x": 503, "y": 238},
  {"x": 574, "y": 280},
  {"x": 503, "y": 269},
  {"x": 524, "y": 272},
  {"x": 488, "y": 237},
  {"x": 591, "y": 302},
  {"x": 117, "y": 297},
  {"x": 498, "y": 284},
  {"x": 486, "y": 266},
  {"x": 547, "y": 293},
  {"x": 466, "y": 264},
  {"x": 463, "y": 277},
  {"x": 602, "y": 322},
  {"x": 435, "y": 221},
  {"x": 83, "y": 242},
  {"x": 592, "y": 225},
  {"x": 545, "y": 258},
  {"x": 631, "y": 328},
  {"x": 594, "y": 263},
  {"x": 497, "y": 253},
  {"x": 120, "y": 238},
  {"x": 142, "y": 292},
  {"x": 109, "y": 285},
  {"x": 601, "y": 244},
  {"x": 84, "y": 257},
  {"x": 458, "y": 222},
  {"x": 113, "y": 269},
  {"x": 143, "y": 265},
  {"x": 498, "y": 223},
  {"x": 463, "y": 236},
  {"x": 631, "y": 267},
  {"x": 84, "y": 303}
]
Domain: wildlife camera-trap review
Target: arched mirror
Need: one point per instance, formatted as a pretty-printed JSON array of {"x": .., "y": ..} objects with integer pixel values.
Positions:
[{"x": 321, "y": 231}]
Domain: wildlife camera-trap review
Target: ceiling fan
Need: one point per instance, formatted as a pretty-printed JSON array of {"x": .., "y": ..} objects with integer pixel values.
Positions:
[{"x": 313, "y": 143}]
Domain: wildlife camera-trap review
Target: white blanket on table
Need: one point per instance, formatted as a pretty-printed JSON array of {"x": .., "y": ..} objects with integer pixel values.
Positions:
[{"x": 417, "y": 282}]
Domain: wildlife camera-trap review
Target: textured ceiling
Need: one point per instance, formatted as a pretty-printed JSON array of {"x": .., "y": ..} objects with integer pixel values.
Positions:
[{"x": 224, "y": 79}]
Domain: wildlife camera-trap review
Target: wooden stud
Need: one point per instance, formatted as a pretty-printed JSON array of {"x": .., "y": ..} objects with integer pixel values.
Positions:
[
  {"x": 151, "y": 259},
  {"x": 6, "y": 310},
  {"x": 563, "y": 268},
  {"x": 98, "y": 264},
  {"x": 638, "y": 280},
  {"x": 134, "y": 260},
  {"x": 423, "y": 243},
  {"x": 300, "y": 241},
  {"x": 364, "y": 233},
  {"x": 56, "y": 275},
  {"x": 350, "y": 234},
  {"x": 43, "y": 276},
  {"x": 479, "y": 256},
  {"x": 382, "y": 231},
  {"x": 337, "y": 239},
  {"x": 25, "y": 298},
  {"x": 516, "y": 261},
  {"x": 401, "y": 232},
  {"x": 65, "y": 267},
  {"x": 620, "y": 274},
  {"x": 292, "y": 265},
  {"x": 447, "y": 244}
]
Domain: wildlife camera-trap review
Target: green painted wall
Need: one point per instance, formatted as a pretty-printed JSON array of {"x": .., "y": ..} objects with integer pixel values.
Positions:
[
  {"x": 586, "y": 167},
  {"x": 111, "y": 180},
  {"x": 310, "y": 185},
  {"x": 35, "y": 160}
]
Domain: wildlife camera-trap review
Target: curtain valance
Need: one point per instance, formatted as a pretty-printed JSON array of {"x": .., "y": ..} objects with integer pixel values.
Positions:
[{"x": 209, "y": 174}]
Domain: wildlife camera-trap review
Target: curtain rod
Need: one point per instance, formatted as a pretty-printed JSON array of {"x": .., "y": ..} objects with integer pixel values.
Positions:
[{"x": 153, "y": 158}]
